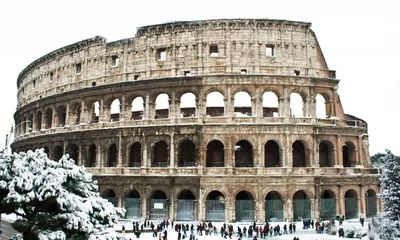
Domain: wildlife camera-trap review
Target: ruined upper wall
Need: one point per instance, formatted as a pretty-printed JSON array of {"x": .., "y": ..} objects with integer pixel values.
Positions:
[{"x": 235, "y": 46}]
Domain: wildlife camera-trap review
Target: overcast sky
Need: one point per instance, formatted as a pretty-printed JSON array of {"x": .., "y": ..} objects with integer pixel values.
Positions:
[{"x": 359, "y": 39}]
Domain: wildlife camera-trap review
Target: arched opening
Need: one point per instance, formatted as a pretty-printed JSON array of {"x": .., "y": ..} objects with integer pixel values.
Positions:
[
  {"x": 160, "y": 154},
  {"x": 58, "y": 152},
  {"x": 115, "y": 110},
  {"x": 301, "y": 206},
  {"x": 243, "y": 154},
  {"x": 244, "y": 206},
  {"x": 49, "y": 118},
  {"x": 215, "y": 104},
  {"x": 186, "y": 206},
  {"x": 73, "y": 152},
  {"x": 296, "y": 105},
  {"x": 299, "y": 154},
  {"x": 321, "y": 105},
  {"x": 371, "y": 203},
  {"x": 91, "y": 156},
  {"x": 187, "y": 154},
  {"x": 351, "y": 204},
  {"x": 274, "y": 207},
  {"x": 328, "y": 205},
  {"x": 112, "y": 156},
  {"x": 132, "y": 204},
  {"x": 272, "y": 154},
  {"x": 215, "y": 207},
  {"x": 349, "y": 154},
  {"x": 135, "y": 155},
  {"x": 270, "y": 105},
  {"x": 47, "y": 151},
  {"x": 137, "y": 108},
  {"x": 30, "y": 122},
  {"x": 326, "y": 154},
  {"x": 110, "y": 195},
  {"x": 215, "y": 154},
  {"x": 61, "y": 116},
  {"x": 188, "y": 105},
  {"x": 162, "y": 106},
  {"x": 38, "y": 121},
  {"x": 242, "y": 104},
  {"x": 78, "y": 112},
  {"x": 95, "y": 112},
  {"x": 158, "y": 205}
]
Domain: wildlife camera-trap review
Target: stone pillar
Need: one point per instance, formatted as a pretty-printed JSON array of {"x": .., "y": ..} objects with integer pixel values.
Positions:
[
  {"x": 53, "y": 119},
  {"x": 362, "y": 210},
  {"x": 341, "y": 201},
  {"x": 44, "y": 124},
  {"x": 306, "y": 107},
  {"x": 281, "y": 107},
  {"x": 119, "y": 204},
  {"x": 146, "y": 109},
  {"x": 314, "y": 208},
  {"x": 171, "y": 211},
  {"x": 201, "y": 206},
  {"x": 288, "y": 146},
  {"x": 123, "y": 113},
  {"x": 172, "y": 151},
  {"x": 119, "y": 152},
  {"x": 145, "y": 161},
  {"x": 360, "y": 153},
  {"x": 288, "y": 213},
  {"x": 171, "y": 103},
  {"x": 102, "y": 117},
  {"x": 143, "y": 207},
  {"x": 67, "y": 117},
  {"x": 339, "y": 157}
]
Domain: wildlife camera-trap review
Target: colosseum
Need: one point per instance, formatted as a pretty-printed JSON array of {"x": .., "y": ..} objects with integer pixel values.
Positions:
[{"x": 222, "y": 120}]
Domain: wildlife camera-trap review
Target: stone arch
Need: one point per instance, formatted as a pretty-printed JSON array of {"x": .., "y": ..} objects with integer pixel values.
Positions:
[
  {"x": 296, "y": 105},
  {"x": 242, "y": 104},
  {"x": 110, "y": 195},
  {"x": 115, "y": 110},
  {"x": 132, "y": 204},
  {"x": 244, "y": 154},
  {"x": 46, "y": 150},
  {"x": 158, "y": 205},
  {"x": 326, "y": 154},
  {"x": 95, "y": 112},
  {"x": 61, "y": 115},
  {"x": 187, "y": 105},
  {"x": 137, "y": 105},
  {"x": 58, "y": 152},
  {"x": 301, "y": 206},
  {"x": 112, "y": 155},
  {"x": 73, "y": 152},
  {"x": 30, "y": 122},
  {"x": 371, "y": 203},
  {"x": 49, "y": 118},
  {"x": 270, "y": 104},
  {"x": 300, "y": 154},
  {"x": 76, "y": 111},
  {"x": 186, "y": 206},
  {"x": 349, "y": 154},
  {"x": 215, "y": 154},
  {"x": 215, "y": 104},
  {"x": 215, "y": 206},
  {"x": 244, "y": 206},
  {"x": 135, "y": 155},
  {"x": 351, "y": 204},
  {"x": 272, "y": 154},
  {"x": 160, "y": 156},
  {"x": 162, "y": 106},
  {"x": 187, "y": 153},
  {"x": 323, "y": 105},
  {"x": 38, "y": 120},
  {"x": 274, "y": 206},
  {"x": 92, "y": 156},
  {"x": 327, "y": 205}
]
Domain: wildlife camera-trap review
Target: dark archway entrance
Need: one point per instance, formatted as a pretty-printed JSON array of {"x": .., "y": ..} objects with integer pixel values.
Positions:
[
  {"x": 186, "y": 206},
  {"x": 187, "y": 154},
  {"x": 299, "y": 154},
  {"x": 112, "y": 156},
  {"x": 272, "y": 158},
  {"x": 160, "y": 154},
  {"x": 243, "y": 154},
  {"x": 244, "y": 207},
  {"x": 215, "y": 207},
  {"x": 351, "y": 204},
  {"x": 110, "y": 195},
  {"x": 215, "y": 154},
  {"x": 328, "y": 205},
  {"x": 371, "y": 203},
  {"x": 273, "y": 207},
  {"x": 135, "y": 155},
  {"x": 132, "y": 205},
  {"x": 158, "y": 205},
  {"x": 301, "y": 206}
]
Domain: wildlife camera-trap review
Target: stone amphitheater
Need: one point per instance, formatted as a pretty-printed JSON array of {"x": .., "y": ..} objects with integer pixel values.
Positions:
[{"x": 218, "y": 120}]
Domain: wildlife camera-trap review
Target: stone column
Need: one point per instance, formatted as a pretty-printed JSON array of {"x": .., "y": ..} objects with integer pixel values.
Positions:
[
  {"x": 54, "y": 118},
  {"x": 339, "y": 158},
  {"x": 341, "y": 201},
  {"x": 171, "y": 211},
  {"x": 119, "y": 152},
  {"x": 362, "y": 210},
  {"x": 123, "y": 109},
  {"x": 67, "y": 117},
  {"x": 288, "y": 146},
  {"x": 288, "y": 213},
  {"x": 172, "y": 151},
  {"x": 143, "y": 206}
]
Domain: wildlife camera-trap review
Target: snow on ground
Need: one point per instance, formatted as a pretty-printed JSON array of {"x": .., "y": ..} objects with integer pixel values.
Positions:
[{"x": 308, "y": 234}]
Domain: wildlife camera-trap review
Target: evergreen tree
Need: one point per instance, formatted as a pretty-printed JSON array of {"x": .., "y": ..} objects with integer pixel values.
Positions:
[
  {"x": 390, "y": 182},
  {"x": 54, "y": 200}
]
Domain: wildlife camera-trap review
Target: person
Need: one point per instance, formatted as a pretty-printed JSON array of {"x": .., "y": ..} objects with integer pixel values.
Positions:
[
  {"x": 179, "y": 235},
  {"x": 362, "y": 221},
  {"x": 123, "y": 229},
  {"x": 285, "y": 229}
]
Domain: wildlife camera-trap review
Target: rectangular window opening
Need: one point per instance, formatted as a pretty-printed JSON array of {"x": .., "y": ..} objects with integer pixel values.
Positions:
[
  {"x": 243, "y": 71},
  {"x": 297, "y": 72},
  {"x": 162, "y": 54},
  {"x": 270, "y": 51},
  {"x": 78, "y": 68},
  {"x": 114, "y": 61},
  {"x": 51, "y": 76},
  {"x": 34, "y": 83},
  {"x": 135, "y": 77},
  {"x": 93, "y": 84},
  {"x": 187, "y": 73},
  {"x": 214, "y": 51}
]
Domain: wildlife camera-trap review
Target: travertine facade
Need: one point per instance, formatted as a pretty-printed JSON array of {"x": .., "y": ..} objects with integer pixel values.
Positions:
[{"x": 199, "y": 120}]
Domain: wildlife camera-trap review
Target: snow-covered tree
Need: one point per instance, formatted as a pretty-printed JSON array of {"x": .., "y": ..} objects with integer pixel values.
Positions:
[
  {"x": 54, "y": 200},
  {"x": 390, "y": 182}
]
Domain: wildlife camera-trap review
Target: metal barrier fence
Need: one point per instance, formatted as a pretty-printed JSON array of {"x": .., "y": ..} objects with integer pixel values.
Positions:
[
  {"x": 112, "y": 200},
  {"x": 132, "y": 206},
  {"x": 301, "y": 209},
  {"x": 372, "y": 207},
  {"x": 328, "y": 209},
  {"x": 244, "y": 210},
  {"x": 215, "y": 210},
  {"x": 274, "y": 210},
  {"x": 185, "y": 210},
  {"x": 351, "y": 208}
]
